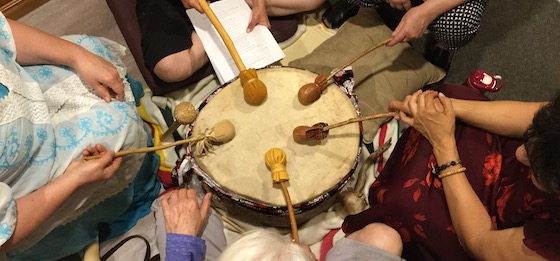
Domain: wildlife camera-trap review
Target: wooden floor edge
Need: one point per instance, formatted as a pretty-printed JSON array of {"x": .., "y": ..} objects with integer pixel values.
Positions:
[{"x": 15, "y": 9}]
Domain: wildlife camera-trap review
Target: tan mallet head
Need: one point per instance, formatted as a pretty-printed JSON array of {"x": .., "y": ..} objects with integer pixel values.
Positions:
[
  {"x": 184, "y": 113},
  {"x": 223, "y": 131}
]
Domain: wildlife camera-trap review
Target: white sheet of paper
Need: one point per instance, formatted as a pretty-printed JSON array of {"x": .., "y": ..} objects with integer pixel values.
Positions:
[{"x": 257, "y": 49}]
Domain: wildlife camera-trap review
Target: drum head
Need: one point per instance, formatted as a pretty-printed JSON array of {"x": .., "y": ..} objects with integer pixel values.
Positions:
[{"x": 238, "y": 167}]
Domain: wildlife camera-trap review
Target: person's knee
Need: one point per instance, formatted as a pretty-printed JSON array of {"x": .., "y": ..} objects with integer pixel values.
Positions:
[
  {"x": 314, "y": 4},
  {"x": 459, "y": 38},
  {"x": 381, "y": 236},
  {"x": 179, "y": 66},
  {"x": 455, "y": 31},
  {"x": 173, "y": 68}
]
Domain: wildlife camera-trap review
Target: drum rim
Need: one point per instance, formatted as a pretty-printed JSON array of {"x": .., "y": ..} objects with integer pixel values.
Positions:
[{"x": 256, "y": 204}]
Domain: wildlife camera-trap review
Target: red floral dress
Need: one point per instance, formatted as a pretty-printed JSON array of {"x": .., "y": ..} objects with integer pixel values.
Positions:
[{"x": 407, "y": 197}]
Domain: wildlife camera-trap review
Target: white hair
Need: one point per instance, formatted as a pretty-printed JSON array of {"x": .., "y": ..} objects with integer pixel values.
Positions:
[{"x": 264, "y": 245}]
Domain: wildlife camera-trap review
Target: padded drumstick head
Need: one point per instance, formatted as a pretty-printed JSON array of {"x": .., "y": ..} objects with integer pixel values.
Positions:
[
  {"x": 275, "y": 160},
  {"x": 223, "y": 131},
  {"x": 184, "y": 113},
  {"x": 303, "y": 134},
  {"x": 317, "y": 132},
  {"x": 254, "y": 90},
  {"x": 311, "y": 92},
  {"x": 299, "y": 134}
]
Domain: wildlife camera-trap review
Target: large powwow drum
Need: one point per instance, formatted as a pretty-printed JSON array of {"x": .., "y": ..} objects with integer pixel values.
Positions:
[{"x": 236, "y": 172}]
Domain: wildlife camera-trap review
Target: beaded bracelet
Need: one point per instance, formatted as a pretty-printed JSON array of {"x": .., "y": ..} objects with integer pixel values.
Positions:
[
  {"x": 453, "y": 172},
  {"x": 438, "y": 169}
]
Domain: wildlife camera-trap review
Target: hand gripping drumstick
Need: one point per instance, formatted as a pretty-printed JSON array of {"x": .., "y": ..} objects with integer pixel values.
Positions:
[
  {"x": 275, "y": 160},
  {"x": 184, "y": 113},
  {"x": 319, "y": 131},
  {"x": 222, "y": 132},
  {"x": 254, "y": 90},
  {"x": 311, "y": 92}
]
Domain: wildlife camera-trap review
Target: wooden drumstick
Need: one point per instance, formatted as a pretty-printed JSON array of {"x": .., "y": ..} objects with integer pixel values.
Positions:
[
  {"x": 222, "y": 132},
  {"x": 319, "y": 131},
  {"x": 275, "y": 160},
  {"x": 311, "y": 92},
  {"x": 352, "y": 201},
  {"x": 184, "y": 113},
  {"x": 239, "y": 229},
  {"x": 254, "y": 90}
]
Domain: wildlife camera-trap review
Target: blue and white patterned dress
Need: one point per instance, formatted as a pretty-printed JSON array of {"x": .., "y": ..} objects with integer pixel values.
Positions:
[{"x": 47, "y": 117}]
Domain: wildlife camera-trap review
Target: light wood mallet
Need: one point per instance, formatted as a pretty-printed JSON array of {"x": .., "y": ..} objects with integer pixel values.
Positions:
[
  {"x": 353, "y": 200},
  {"x": 222, "y": 132},
  {"x": 275, "y": 160},
  {"x": 254, "y": 90},
  {"x": 184, "y": 113},
  {"x": 319, "y": 131},
  {"x": 311, "y": 92}
]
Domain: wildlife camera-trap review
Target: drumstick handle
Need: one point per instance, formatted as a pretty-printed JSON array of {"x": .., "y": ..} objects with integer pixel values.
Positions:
[
  {"x": 362, "y": 118},
  {"x": 358, "y": 57},
  {"x": 223, "y": 34},
  {"x": 149, "y": 149},
  {"x": 293, "y": 223},
  {"x": 362, "y": 177},
  {"x": 232, "y": 223}
]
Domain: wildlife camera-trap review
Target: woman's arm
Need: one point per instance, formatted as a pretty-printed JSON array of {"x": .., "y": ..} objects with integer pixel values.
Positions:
[
  {"x": 36, "y": 47},
  {"x": 506, "y": 118},
  {"x": 417, "y": 19},
  {"x": 259, "y": 15},
  {"x": 432, "y": 115},
  {"x": 185, "y": 220},
  {"x": 33, "y": 209}
]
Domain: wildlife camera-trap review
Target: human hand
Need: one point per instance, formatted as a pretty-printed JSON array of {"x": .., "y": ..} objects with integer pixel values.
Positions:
[
  {"x": 259, "y": 16},
  {"x": 101, "y": 75},
  {"x": 182, "y": 213},
  {"x": 402, "y": 106},
  {"x": 412, "y": 26},
  {"x": 400, "y": 4},
  {"x": 188, "y": 4},
  {"x": 84, "y": 172},
  {"x": 429, "y": 112}
]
